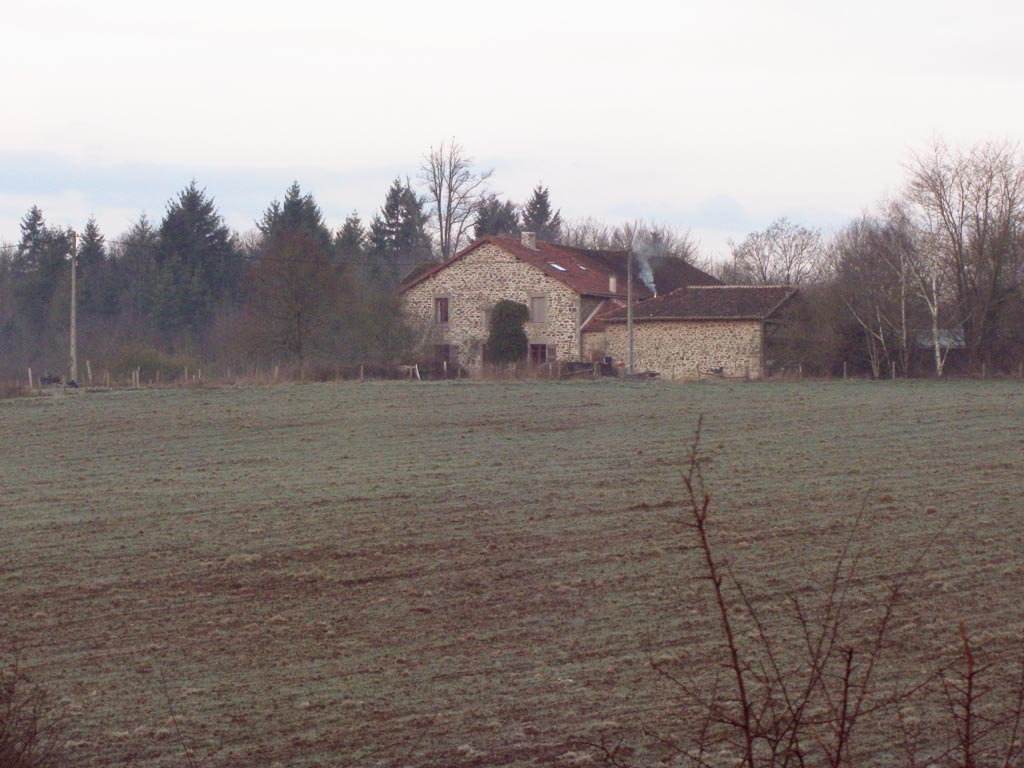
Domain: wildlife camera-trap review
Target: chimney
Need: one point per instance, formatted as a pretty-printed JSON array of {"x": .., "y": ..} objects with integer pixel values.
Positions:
[
  {"x": 529, "y": 239},
  {"x": 613, "y": 284}
]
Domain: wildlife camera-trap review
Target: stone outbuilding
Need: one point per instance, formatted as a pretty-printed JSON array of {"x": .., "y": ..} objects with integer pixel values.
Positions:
[
  {"x": 695, "y": 332},
  {"x": 565, "y": 289}
]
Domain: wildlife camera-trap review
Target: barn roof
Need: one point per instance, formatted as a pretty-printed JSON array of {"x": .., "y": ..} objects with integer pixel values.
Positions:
[
  {"x": 711, "y": 302},
  {"x": 585, "y": 271}
]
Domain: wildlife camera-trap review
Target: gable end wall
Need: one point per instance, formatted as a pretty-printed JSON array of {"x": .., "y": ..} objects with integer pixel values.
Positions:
[{"x": 477, "y": 282}]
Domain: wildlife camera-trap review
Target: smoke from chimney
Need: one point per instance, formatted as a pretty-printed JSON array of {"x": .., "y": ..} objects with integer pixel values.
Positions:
[{"x": 643, "y": 253}]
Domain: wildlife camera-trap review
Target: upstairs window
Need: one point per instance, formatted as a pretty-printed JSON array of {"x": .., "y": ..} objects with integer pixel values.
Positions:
[
  {"x": 538, "y": 309},
  {"x": 441, "y": 310}
]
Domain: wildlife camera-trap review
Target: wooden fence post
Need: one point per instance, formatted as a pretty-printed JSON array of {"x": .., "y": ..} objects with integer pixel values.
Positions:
[
  {"x": 844, "y": 370},
  {"x": 88, "y": 371},
  {"x": 30, "y": 378}
]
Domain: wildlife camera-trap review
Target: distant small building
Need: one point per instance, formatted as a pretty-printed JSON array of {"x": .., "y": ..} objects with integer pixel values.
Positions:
[
  {"x": 694, "y": 332},
  {"x": 949, "y": 338}
]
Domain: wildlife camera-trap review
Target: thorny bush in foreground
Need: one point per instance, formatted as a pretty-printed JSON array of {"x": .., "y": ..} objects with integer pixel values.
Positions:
[
  {"x": 802, "y": 687},
  {"x": 30, "y": 725}
]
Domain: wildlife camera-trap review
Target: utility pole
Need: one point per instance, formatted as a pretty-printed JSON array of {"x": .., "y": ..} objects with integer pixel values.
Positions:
[
  {"x": 629, "y": 306},
  {"x": 74, "y": 308}
]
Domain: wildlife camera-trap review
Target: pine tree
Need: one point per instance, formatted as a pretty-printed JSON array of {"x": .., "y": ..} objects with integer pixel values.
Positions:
[
  {"x": 537, "y": 216},
  {"x": 298, "y": 214},
  {"x": 93, "y": 295},
  {"x": 135, "y": 260},
  {"x": 198, "y": 261},
  {"x": 494, "y": 217},
  {"x": 350, "y": 242},
  {"x": 294, "y": 295},
  {"x": 33, "y": 231},
  {"x": 39, "y": 267},
  {"x": 398, "y": 237}
]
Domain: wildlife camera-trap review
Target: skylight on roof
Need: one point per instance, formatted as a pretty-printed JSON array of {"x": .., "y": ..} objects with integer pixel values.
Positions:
[{"x": 556, "y": 266}]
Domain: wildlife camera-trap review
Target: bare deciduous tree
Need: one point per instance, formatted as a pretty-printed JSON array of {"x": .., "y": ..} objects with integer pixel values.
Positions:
[
  {"x": 455, "y": 188},
  {"x": 784, "y": 253},
  {"x": 871, "y": 264},
  {"x": 969, "y": 208},
  {"x": 658, "y": 240},
  {"x": 587, "y": 233},
  {"x": 296, "y": 299}
]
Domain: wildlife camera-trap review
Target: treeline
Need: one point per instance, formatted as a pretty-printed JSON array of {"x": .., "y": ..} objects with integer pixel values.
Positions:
[
  {"x": 190, "y": 289},
  {"x": 930, "y": 283},
  {"x": 291, "y": 295}
]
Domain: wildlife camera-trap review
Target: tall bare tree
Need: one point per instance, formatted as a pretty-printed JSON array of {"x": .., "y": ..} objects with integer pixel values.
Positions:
[
  {"x": 785, "y": 253},
  {"x": 870, "y": 260},
  {"x": 296, "y": 299},
  {"x": 969, "y": 207},
  {"x": 454, "y": 188}
]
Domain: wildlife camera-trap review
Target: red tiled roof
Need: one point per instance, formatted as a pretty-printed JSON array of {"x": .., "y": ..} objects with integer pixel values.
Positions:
[
  {"x": 585, "y": 271},
  {"x": 711, "y": 302}
]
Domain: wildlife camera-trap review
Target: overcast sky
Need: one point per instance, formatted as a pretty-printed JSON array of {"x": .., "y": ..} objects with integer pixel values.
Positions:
[{"x": 717, "y": 116}]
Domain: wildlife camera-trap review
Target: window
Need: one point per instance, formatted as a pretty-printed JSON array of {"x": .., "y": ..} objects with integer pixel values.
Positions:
[
  {"x": 441, "y": 310},
  {"x": 538, "y": 353},
  {"x": 538, "y": 309},
  {"x": 443, "y": 353}
]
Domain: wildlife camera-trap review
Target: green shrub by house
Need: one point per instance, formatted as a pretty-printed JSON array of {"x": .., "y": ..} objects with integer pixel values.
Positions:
[{"x": 507, "y": 341}]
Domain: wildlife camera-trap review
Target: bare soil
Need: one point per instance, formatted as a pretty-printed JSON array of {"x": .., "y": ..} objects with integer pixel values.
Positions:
[{"x": 451, "y": 573}]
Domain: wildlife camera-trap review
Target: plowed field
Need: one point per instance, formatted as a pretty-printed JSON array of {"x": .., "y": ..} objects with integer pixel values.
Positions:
[{"x": 466, "y": 573}]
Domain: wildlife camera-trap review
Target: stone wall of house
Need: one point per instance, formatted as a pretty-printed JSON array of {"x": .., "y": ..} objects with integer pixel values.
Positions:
[
  {"x": 690, "y": 349},
  {"x": 474, "y": 284},
  {"x": 593, "y": 344}
]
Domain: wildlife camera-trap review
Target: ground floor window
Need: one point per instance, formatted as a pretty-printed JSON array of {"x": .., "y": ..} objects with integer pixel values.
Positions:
[{"x": 538, "y": 353}]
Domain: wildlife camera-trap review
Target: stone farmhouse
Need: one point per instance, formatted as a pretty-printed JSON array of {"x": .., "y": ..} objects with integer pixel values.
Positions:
[
  {"x": 564, "y": 288},
  {"x": 577, "y": 301},
  {"x": 696, "y": 332}
]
